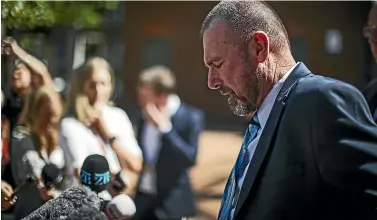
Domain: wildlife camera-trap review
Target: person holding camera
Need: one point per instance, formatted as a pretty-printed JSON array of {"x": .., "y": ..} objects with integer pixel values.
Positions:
[{"x": 29, "y": 73}]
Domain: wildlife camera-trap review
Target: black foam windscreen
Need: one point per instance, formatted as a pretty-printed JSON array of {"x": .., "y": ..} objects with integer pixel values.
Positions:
[
  {"x": 71, "y": 200},
  {"x": 51, "y": 175}
]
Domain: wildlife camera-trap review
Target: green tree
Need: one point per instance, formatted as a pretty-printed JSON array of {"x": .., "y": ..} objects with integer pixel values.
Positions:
[{"x": 31, "y": 14}]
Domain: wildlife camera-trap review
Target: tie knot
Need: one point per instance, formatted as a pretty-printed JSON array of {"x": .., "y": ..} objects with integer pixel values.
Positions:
[{"x": 255, "y": 121}]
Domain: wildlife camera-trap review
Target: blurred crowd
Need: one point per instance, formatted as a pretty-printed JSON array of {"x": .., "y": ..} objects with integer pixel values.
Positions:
[{"x": 40, "y": 129}]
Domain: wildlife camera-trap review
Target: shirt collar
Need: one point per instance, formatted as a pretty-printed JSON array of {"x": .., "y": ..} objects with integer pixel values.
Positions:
[
  {"x": 173, "y": 104},
  {"x": 268, "y": 102}
]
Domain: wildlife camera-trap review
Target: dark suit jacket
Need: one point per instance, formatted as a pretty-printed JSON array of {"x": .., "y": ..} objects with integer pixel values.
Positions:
[
  {"x": 175, "y": 197},
  {"x": 316, "y": 158}
]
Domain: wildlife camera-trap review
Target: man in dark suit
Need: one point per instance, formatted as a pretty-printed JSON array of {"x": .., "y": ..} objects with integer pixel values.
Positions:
[
  {"x": 370, "y": 32},
  {"x": 310, "y": 150},
  {"x": 168, "y": 134}
]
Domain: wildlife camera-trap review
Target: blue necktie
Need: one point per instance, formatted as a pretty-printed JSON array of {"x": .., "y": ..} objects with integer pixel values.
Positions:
[{"x": 231, "y": 191}]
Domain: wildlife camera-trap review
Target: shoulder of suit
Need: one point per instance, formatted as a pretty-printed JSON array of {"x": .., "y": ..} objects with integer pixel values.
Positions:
[
  {"x": 371, "y": 90},
  {"x": 194, "y": 110},
  {"x": 20, "y": 132},
  {"x": 322, "y": 84},
  {"x": 321, "y": 87}
]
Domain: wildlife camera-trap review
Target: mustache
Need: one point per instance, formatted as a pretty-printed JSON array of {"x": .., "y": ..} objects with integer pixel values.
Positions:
[{"x": 224, "y": 90}]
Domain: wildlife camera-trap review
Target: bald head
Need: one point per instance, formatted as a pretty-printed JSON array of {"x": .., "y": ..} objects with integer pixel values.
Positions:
[{"x": 247, "y": 17}]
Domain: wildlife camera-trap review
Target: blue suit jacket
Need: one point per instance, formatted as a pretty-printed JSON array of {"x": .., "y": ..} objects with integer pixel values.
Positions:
[
  {"x": 316, "y": 157},
  {"x": 174, "y": 198}
]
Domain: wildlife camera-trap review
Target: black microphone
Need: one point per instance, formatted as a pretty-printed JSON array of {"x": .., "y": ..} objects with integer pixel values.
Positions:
[
  {"x": 51, "y": 175},
  {"x": 120, "y": 182},
  {"x": 69, "y": 201},
  {"x": 95, "y": 173}
]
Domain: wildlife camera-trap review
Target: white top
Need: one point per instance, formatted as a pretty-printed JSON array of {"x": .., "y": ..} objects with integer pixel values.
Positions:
[
  {"x": 78, "y": 141},
  {"x": 263, "y": 113}
]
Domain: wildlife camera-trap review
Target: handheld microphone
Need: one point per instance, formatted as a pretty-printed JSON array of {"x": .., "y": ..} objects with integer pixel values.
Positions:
[
  {"x": 95, "y": 173},
  {"x": 68, "y": 202},
  {"x": 51, "y": 175},
  {"x": 120, "y": 207},
  {"x": 120, "y": 181}
]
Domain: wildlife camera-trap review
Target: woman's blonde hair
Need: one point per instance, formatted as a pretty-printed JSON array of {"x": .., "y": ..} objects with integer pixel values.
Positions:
[
  {"x": 78, "y": 102},
  {"x": 36, "y": 100}
]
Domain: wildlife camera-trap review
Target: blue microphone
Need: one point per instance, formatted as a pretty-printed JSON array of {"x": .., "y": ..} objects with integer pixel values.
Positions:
[{"x": 95, "y": 173}]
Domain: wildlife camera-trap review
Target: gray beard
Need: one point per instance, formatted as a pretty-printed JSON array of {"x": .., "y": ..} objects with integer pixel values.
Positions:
[{"x": 242, "y": 108}]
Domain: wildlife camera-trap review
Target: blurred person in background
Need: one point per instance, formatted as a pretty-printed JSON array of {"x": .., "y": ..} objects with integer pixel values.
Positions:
[
  {"x": 7, "y": 197},
  {"x": 370, "y": 32},
  {"x": 33, "y": 146},
  {"x": 4, "y": 139},
  {"x": 168, "y": 133},
  {"x": 93, "y": 126},
  {"x": 29, "y": 73}
]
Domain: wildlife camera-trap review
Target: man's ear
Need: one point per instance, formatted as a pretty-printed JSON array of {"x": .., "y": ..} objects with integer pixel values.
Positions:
[{"x": 260, "y": 46}]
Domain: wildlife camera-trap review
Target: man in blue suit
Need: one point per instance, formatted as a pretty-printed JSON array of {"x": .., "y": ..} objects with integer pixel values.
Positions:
[
  {"x": 168, "y": 133},
  {"x": 310, "y": 150}
]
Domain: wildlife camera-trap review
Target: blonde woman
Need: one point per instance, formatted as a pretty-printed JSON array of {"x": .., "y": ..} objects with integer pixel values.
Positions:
[
  {"x": 93, "y": 126},
  {"x": 33, "y": 146}
]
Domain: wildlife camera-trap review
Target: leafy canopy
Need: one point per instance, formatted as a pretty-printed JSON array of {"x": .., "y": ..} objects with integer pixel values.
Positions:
[{"x": 31, "y": 14}]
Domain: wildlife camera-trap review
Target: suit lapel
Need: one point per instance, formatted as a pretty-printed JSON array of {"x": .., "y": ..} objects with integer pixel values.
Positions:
[{"x": 267, "y": 136}]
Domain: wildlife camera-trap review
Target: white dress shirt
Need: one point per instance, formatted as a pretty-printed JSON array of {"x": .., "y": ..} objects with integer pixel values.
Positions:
[
  {"x": 78, "y": 141},
  {"x": 151, "y": 140},
  {"x": 263, "y": 114}
]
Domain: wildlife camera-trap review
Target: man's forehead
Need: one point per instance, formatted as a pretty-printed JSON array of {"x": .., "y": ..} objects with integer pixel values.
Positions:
[
  {"x": 217, "y": 32},
  {"x": 217, "y": 38}
]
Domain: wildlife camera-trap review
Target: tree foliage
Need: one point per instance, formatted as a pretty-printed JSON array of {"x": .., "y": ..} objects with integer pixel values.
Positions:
[{"x": 31, "y": 14}]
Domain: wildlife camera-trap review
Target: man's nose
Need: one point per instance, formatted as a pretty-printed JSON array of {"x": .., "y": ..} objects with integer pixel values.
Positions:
[
  {"x": 16, "y": 75},
  {"x": 97, "y": 88},
  {"x": 214, "y": 82}
]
